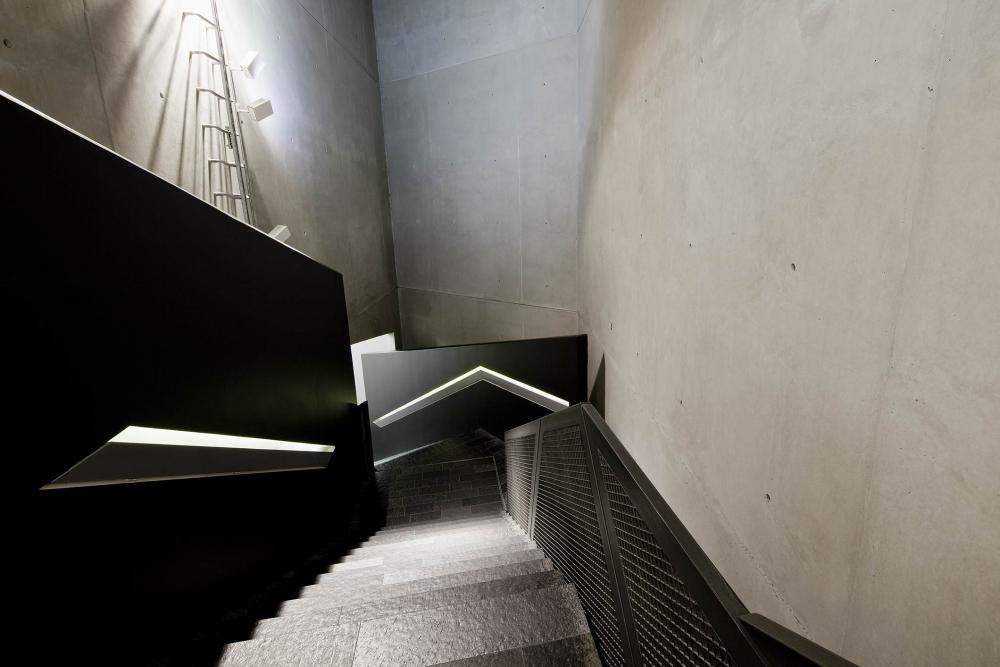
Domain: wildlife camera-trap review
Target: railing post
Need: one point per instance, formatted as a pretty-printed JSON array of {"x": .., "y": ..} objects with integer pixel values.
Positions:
[{"x": 535, "y": 466}]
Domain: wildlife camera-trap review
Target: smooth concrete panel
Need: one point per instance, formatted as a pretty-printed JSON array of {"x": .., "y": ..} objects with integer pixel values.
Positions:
[
  {"x": 752, "y": 178},
  {"x": 148, "y": 83},
  {"x": 433, "y": 319},
  {"x": 318, "y": 163},
  {"x": 482, "y": 176},
  {"x": 420, "y": 37},
  {"x": 927, "y": 585},
  {"x": 380, "y": 317},
  {"x": 547, "y": 163},
  {"x": 122, "y": 73},
  {"x": 351, "y": 24},
  {"x": 52, "y": 69}
]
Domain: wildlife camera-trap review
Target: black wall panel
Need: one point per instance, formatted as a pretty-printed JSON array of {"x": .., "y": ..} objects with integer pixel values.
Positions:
[{"x": 129, "y": 301}]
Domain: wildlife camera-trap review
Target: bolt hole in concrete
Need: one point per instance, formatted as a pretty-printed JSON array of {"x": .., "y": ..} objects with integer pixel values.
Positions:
[
  {"x": 793, "y": 267},
  {"x": 767, "y": 497},
  {"x": 8, "y": 43}
]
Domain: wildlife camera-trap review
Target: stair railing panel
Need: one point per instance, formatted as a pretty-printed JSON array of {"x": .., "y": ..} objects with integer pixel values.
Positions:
[
  {"x": 570, "y": 527},
  {"x": 651, "y": 595},
  {"x": 521, "y": 444}
]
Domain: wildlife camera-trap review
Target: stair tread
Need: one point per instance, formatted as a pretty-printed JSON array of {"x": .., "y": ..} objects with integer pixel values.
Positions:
[
  {"x": 475, "y": 628},
  {"x": 496, "y": 518},
  {"x": 430, "y": 546},
  {"x": 318, "y": 618},
  {"x": 384, "y": 565},
  {"x": 578, "y": 651},
  {"x": 403, "y": 575},
  {"x": 334, "y": 646},
  {"x": 456, "y": 537},
  {"x": 417, "y": 586}
]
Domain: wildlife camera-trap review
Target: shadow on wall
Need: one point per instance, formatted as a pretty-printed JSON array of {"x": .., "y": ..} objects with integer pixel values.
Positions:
[
  {"x": 596, "y": 397},
  {"x": 130, "y": 42}
]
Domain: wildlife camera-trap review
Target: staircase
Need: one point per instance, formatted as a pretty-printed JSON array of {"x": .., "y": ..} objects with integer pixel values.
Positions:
[{"x": 450, "y": 580}]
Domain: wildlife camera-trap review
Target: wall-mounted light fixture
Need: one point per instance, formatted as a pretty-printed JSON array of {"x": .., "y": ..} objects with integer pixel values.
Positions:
[
  {"x": 281, "y": 233},
  {"x": 258, "y": 110},
  {"x": 250, "y": 65}
]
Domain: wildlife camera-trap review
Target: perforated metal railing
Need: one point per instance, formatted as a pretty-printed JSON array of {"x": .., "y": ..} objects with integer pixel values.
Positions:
[
  {"x": 520, "y": 464},
  {"x": 651, "y": 595},
  {"x": 568, "y": 531},
  {"x": 670, "y": 627}
]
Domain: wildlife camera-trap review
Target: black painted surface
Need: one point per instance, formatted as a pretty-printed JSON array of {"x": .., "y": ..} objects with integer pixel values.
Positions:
[
  {"x": 167, "y": 573},
  {"x": 129, "y": 302},
  {"x": 119, "y": 462},
  {"x": 555, "y": 365}
]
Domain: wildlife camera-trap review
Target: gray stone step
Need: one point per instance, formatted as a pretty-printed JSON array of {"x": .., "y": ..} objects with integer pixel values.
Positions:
[
  {"x": 403, "y": 575},
  {"x": 334, "y": 646},
  {"x": 578, "y": 651},
  {"x": 455, "y": 536},
  {"x": 418, "y": 558},
  {"x": 316, "y": 619},
  {"x": 361, "y": 557},
  {"x": 353, "y": 598},
  {"x": 390, "y": 534},
  {"x": 472, "y": 629},
  {"x": 441, "y": 491},
  {"x": 437, "y": 514},
  {"x": 442, "y": 543}
]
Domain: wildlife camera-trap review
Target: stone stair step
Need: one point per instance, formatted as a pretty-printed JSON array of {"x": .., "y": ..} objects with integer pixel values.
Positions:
[
  {"x": 334, "y": 647},
  {"x": 455, "y": 536},
  {"x": 472, "y": 629},
  {"x": 578, "y": 651},
  {"x": 317, "y": 602},
  {"x": 320, "y": 618},
  {"x": 403, "y": 575},
  {"x": 496, "y": 518},
  {"x": 361, "y": 558},
  {"x": 384, "y": 565},
  {"x": 435, "y": 515}
]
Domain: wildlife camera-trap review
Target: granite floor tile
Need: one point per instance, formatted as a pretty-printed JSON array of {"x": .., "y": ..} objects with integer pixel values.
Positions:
[
  {"x": 472, "y": 629},
  {"x": 323, "y": 618},
  {"x": 334, "y": 647},
  {"x": 344, "y": 599},
  {"x": 410, "y": 574}
]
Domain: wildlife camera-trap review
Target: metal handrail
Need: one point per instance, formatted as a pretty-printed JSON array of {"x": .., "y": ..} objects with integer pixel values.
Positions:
[{"x": 750, "y": 639}]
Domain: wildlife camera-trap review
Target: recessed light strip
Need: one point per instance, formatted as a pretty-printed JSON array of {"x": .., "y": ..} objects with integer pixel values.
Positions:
[
  {"x": 477, "y": 374},
  {"x": 436, "y": 390},
  {"x": 144, "y": 435}
]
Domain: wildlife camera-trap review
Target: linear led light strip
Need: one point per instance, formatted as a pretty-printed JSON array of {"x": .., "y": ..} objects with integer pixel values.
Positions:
[
  {"x": 144, "y": 435},
  {"x": 477, "y": 374}
]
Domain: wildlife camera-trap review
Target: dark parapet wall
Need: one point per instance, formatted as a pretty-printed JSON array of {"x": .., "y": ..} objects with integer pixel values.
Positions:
[
  {"x": 131, "y": 302},
  {"x": 128, "y": 301}
]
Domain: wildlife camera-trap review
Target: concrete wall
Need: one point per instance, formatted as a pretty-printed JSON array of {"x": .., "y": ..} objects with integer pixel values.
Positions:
[
  {"x": 119, "y": 72},
  {"x": 788, "y": 268},
  {"x": 479, "y": 104}
]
